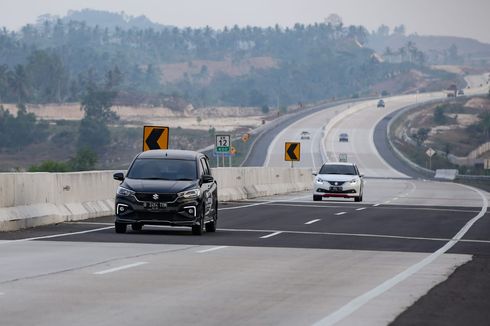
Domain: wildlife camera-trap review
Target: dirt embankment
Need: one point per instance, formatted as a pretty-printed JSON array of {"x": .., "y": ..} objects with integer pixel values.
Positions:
[{"x": 220, "y": 118}]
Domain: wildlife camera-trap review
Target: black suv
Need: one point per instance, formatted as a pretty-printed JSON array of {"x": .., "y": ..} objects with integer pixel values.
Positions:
[{"x": 167, "y": 187}]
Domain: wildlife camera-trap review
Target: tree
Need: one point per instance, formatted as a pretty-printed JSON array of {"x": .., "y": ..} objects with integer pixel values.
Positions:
[
  {"x": 439, "y": 116},
  {"x": 19, "y": 83},
  {"x": 97, "y": 105},
  {"x": 94, "y": 133},
  {"x": 485, "y": 123}
]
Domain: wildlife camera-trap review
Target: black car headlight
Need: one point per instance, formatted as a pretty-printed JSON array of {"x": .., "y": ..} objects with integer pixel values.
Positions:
[
  {"x": 193, "y": 193},
  {"x": 124, "y": 192}
]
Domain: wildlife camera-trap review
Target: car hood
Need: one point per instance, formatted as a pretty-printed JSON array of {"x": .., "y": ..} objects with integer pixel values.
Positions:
[
  {"x": 337, "y": 177},
  {"x": 158, "y": 186}
]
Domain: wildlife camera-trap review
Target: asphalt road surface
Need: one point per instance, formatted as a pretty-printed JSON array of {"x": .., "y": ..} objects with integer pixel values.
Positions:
[{"x": 283, "y": 260}]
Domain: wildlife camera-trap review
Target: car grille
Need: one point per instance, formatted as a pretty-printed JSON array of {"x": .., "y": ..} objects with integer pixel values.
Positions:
[
  {"x": 164, "y": 198},
  {"x": 336, "y": 183}
]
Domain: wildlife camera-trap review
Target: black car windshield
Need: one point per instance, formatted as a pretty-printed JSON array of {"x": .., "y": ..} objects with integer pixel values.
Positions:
[
  {"x": 163, "y": 169},
  {"x": 338, "y": 169}
]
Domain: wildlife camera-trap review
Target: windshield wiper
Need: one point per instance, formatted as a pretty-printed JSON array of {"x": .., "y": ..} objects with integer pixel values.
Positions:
[{"x": 184, "y": 179}]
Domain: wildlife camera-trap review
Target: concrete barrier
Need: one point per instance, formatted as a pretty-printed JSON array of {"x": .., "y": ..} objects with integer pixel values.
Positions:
[
  {"x": 33, "y": 199},
  {"x": 446, "y": 174}
]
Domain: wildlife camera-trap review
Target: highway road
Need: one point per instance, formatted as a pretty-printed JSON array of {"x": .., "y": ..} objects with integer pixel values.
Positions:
[{"x": 282, "y": 260}]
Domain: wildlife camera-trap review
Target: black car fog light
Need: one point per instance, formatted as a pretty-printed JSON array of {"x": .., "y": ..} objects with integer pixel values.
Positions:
[
  {"x": 121, "y": 208},
  {"x": 191, "y": 210}
]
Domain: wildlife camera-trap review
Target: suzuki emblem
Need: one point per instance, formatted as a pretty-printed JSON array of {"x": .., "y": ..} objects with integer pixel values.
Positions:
[
  {"x": 155, "y": 197},
  {"x": 336, "y": 183}
]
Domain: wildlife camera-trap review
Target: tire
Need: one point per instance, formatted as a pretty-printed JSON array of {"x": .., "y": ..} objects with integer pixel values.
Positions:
[
  {"x": 199, "y": 228},
  {"x": 317, "y": 198},
  {"x": 211, "y": 226},
  {"x": 120, "y": 227},
  {"x": 136, "y": 226},
  {"x": 358, "y": 198}
]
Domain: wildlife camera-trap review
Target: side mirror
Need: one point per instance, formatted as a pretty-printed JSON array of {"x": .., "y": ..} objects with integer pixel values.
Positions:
[
  {"x": 361, "y": 175},
  {"x": 119, "y": 176},
  {"x": 207, "y": 178},
  {"x": 314, "y": 174}
]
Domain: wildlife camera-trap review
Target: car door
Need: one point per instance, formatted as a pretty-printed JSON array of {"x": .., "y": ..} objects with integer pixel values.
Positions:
[{"x": 208, "y": 188}]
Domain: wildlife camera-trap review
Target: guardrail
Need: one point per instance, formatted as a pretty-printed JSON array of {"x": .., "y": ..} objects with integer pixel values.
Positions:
[{"x": 33, "y": 199}]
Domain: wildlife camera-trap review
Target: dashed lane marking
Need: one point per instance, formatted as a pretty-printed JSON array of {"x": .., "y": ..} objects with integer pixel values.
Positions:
[
  {"x": 116, "y": 269},
  {"x": 211, "y": 249},
  {"x": 312, "y": 221},
  {"x": 360, "y": 209},
  {"x": 340, "y": 213},
  {"x": 271, "y": 235}
]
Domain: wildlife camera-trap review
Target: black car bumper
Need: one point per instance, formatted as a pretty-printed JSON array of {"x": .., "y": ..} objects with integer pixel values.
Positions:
[{"x": 184, "y": 213}]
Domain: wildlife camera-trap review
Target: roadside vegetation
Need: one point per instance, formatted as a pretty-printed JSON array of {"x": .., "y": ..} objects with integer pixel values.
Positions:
[{"x": 453, "y": 128}]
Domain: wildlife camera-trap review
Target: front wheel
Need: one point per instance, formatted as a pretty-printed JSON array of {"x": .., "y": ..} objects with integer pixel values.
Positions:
[
  {"x": 198, "y": 229},
  {"x": 120, "y": 227},
  {"x": 358, "y": 198},
  {"x": 317, "y": 198}
]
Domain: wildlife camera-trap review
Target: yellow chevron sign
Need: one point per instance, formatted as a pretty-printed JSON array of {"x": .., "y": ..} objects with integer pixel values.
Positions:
[
  {"x": 292, "y": 152},
  {"x": 155, "y": 137}
]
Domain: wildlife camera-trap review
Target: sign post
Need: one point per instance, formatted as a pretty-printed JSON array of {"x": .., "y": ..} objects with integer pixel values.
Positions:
[
  {"x": 222, "y": 146},
  {"x": 430, "y": 152},
  {"x": 155, "y": 137}
]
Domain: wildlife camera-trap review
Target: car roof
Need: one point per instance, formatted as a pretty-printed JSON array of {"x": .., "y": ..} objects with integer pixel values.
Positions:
[
  {"x": 339, "y": 163},
  {"x": 343, "y": 134},
  {"x": 171, "y": 154}
]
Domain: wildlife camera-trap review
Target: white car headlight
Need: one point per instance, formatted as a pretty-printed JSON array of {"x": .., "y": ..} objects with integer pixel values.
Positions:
[
  {"x": 354, "y": 181},
  {"x": 320, "y": 180},
  {"x": 193, "y": 193},
  {"x": 125, "y": 192}
]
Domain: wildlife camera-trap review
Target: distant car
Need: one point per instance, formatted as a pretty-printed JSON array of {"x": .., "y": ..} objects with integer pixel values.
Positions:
[
  {"x": 338, "y": 180},
  {"x": 381, "y": 104},
  {"x": 167, "y": 187},
  {"x": 305, "y": 135},
  {"x": 450, "y": 94},
  {"x": 343, "y": 137},
  {"x": 460, "y": 92}
]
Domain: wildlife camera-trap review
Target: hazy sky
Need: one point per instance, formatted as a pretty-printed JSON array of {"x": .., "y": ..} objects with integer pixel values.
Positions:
[{"x": 470, "y": 18}]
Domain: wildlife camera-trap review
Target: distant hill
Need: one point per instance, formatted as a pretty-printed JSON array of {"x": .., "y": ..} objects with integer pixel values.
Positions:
[
  {"x": 439, "y": 49},
  {"x": 105, "y": 19}
]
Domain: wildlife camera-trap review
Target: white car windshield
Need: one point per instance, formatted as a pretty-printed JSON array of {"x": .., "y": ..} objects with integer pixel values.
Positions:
[{"x": 338, "y": 169}]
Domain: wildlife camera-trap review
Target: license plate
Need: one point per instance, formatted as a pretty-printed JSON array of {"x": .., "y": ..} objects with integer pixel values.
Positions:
[
  {"x": 336, "y": 189},
  {"x": 154, "y": 205}
]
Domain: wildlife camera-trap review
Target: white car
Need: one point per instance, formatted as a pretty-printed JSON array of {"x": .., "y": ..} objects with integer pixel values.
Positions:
[
  {"x": 338, "y": 180},
  {"x": 305, "y": 135}
]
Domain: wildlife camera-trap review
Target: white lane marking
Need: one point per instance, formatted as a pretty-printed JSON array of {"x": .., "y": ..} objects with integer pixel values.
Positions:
[
  {"x": 376, "y": 205},
  {"x": 361, "y": 300},
  {"x": 57, "y": 235},
  {"x": 262, "y": 203},
  {"x": 387, "y": 202},
  {"x": 120, "y": 268},
  {"x": 411, "y": 207},
  {"x": 313, "y": 221},
  {"x": 271, "y": 235},
  {"x": 360, "y": 209},
  {"x": 396, "y": 198},
  {"x": 341, "y": 213},
  {"x": 211, "y": 249},
  {"x": 360, "y": 235}
]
